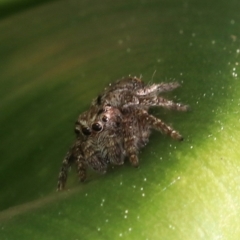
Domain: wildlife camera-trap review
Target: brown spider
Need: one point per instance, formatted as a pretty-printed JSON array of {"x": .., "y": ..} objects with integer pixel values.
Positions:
[{"x": 117, "y": 125}]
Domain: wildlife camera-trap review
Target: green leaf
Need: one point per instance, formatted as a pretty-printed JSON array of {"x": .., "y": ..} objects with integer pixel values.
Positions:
[{"x": 57, "y": 57}]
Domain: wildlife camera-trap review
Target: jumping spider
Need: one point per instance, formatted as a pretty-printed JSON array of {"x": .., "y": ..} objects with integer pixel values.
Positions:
[{"x": 117, "y": 125}]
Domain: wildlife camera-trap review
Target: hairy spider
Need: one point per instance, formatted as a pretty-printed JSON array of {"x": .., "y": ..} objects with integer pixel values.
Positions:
[{"x": 117, "y": 125}]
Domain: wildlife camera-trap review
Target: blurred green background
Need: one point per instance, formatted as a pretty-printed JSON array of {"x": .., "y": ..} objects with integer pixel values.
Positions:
[
  {"x": 56, "y": 56},
  {"x": 11, "y": 7}
]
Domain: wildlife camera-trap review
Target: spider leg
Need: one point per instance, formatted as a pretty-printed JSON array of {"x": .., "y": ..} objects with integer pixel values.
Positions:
[
  {"x": 81, "y": 168},
  {"x": 130, "y": 144},
  {"x": 114, "y": 153},
  {"x": 132, "y": 151},
  {"x": 67, "y": 162},
  {"x": 153, "y": 101},
  {"x": 159, "y": 125},
  {"x": 97, "y": 163},
  {"x": 93, "y": 157},
  {"x": 157, "y": 88},
  {"x": 110, "y": 145},
  {"x": 162, "y": 102}
]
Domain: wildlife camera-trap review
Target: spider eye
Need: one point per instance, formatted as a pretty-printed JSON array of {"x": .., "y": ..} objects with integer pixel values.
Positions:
[
  {"x": 86, "y": 131},
  {"x": 97, "y": 127},
  {"x": 105, "y": 118}
]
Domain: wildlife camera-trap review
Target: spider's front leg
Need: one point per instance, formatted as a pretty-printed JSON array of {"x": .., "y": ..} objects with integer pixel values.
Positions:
[
  {"x": 67, "y": 162},
  {"x": 73, "y": 155},
  {"x": 93, "y": 157},
  {"x": 81, "y": 168},
  {"x": 113, "y": 151}
]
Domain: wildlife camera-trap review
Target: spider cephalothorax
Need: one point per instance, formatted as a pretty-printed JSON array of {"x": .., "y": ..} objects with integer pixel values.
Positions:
[{"x": 117, "y": 125}]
